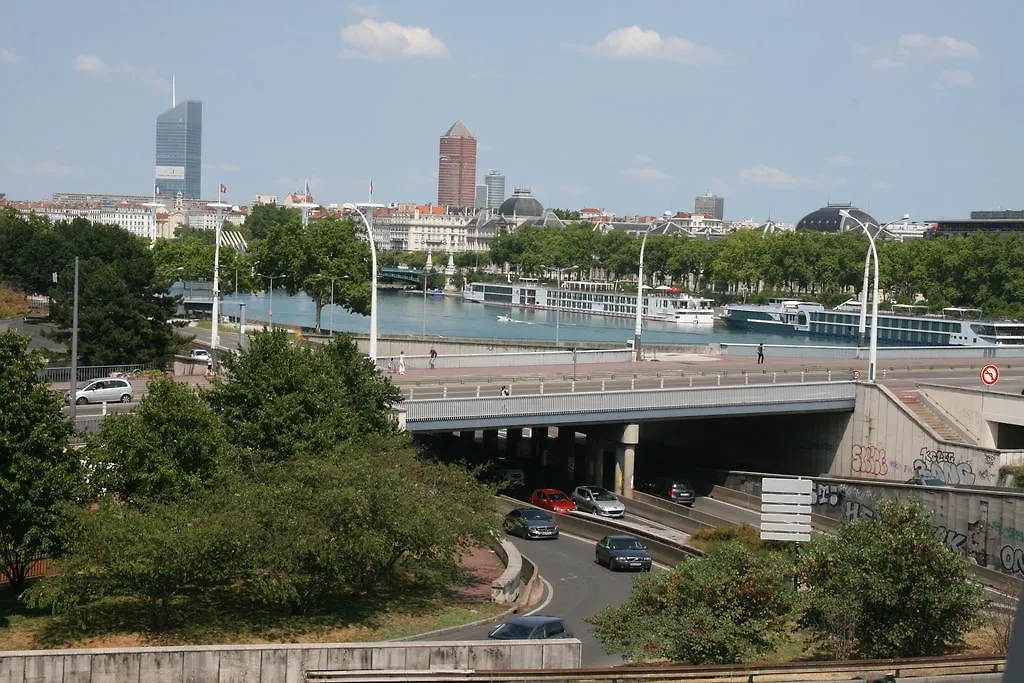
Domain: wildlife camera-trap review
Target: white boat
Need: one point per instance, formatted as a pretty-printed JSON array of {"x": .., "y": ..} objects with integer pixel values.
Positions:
[
  {"x": 594, "y": 298},
  {"x": 504, "y": 319}
]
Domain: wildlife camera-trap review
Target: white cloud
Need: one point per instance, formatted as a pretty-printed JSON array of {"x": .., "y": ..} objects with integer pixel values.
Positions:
[
  {"x": 89, "y": 64},
  {"x": 645, "y": 173},
  {"x": 222, "y": 168},
  {"x": 920, "y": 46},
  {"x": 633, "y": 42},
  {"x": 957, "y": 78},
  {"x": 364, "y": 10},
  {"x": 7, "y": 56},
  {"x": 41, "y": 168},
  {"x": 769, "y": 175},
  {"x": 384, "y": 40}
]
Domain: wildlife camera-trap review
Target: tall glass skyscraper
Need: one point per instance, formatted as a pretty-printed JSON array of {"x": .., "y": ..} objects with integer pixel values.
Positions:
[
  {"x": 179, "y": 151},
  {"x": 495, "y": 182}
]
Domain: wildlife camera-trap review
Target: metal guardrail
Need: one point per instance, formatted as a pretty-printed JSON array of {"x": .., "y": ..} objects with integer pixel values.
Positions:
[
  {"x": 884, "y": 352},
  {"x": 62, "y": 373},
  {"x": 509, "y": 359},
  {"x": 987, "y": 667},
  {"x": 577, "y": 408}
]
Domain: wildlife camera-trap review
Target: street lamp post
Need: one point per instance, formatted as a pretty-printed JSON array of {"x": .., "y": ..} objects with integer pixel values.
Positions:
[
  {"x": 214, "y": 329},
  {"x": 638, "y": 329},
  {"x": 270, "y": 302},
  {"x": 867, "y": 264},
  {"x": 367, "y": 219},
  {"x": 558, "y": 276}
]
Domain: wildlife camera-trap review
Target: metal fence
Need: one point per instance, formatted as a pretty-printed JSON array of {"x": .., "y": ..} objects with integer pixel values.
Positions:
[
  {"x": 619, "y": 404},
  {"x": 884, "y": 352},
  {"x": 62, "y": 373},
  {"x": 509, "y": 360}
]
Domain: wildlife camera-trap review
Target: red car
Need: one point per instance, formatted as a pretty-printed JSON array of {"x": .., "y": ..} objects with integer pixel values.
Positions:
[{"x": 553, "y": 499}]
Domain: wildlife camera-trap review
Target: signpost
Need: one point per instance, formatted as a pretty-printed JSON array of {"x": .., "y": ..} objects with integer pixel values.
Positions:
[
  {"x": 990, "y": 375},
  {"x": 786, "y": 509}
]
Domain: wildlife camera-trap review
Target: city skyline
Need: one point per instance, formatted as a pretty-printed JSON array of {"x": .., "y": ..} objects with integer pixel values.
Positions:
[
  {"x": 179, "y": 151},
  {"x": 897, "y": 108},
  {"x": 456, "y": 168}
]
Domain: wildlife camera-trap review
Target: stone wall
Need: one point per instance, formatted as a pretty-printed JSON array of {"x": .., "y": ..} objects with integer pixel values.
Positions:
[
  {"x": 277, "y": 663},
  {"x": 994, "y": 419},
  {"x": 984, "y": 525},
  {"x": 885, "y": 441}
]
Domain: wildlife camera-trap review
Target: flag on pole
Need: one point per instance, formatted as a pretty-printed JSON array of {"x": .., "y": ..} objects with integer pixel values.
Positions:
[
  {"x": 371, "y": 187},
  {"x": 156, "y": 190},
  {"x": 306, "y": 197},
  {"x": 223, "y": 188}
]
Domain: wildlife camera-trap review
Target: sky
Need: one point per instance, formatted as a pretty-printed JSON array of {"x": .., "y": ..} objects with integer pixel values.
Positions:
[{"x": 780, "y": 106}]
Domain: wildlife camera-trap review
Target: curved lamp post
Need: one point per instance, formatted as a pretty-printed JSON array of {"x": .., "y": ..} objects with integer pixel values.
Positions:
[
  {"x": 367, "y": 219},
  {"x": 638, "y": 329}
]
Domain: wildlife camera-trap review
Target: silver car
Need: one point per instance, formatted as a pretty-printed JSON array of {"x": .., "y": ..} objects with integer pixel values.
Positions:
[
  {"x": 598, "y": 501},
  {"x": 106, "y": 390}
]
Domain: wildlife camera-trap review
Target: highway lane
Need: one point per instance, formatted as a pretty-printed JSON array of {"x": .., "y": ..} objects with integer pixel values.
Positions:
[{"x": 579, "y": 588}]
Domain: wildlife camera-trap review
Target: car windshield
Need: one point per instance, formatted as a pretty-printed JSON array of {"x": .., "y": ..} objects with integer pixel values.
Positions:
[
  {"x": 681, "y": 486},
  {"x": 557, "y": 496},
  {"x": 624, "y": 544},
  {"x": 602, "y": 494},
  {"x": 511, "y": 631},
  {"x": 534, "y": 514}
]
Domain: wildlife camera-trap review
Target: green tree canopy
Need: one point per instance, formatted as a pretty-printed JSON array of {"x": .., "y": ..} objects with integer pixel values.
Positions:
[
  {"x": 731, "y": 604},
  {"x": 39, "y": 474},
  {"x": 888, "y": 587}
]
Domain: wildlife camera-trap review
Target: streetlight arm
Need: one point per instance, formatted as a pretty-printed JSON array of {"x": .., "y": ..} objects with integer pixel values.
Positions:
[{"x": 373, "y": 278}]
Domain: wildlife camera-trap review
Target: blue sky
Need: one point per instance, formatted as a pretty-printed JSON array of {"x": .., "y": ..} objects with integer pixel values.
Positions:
[{"x": 905, "y": 106}]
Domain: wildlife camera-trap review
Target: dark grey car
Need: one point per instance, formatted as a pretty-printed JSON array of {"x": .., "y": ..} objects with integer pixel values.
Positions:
[
  {"x": 673, "y": 488},
  {"x": 623, "y": 552},
  {"x": 530, "y": 523},
  {"x": 531, "y": 628}
]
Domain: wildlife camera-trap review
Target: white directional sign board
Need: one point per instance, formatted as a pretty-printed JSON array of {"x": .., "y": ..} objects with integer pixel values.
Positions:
[{"x": 786, "y": 509}]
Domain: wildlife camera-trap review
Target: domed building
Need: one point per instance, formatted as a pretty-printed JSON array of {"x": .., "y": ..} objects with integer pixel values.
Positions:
[
  {"x": 831, "y": 219},
  {"x": 521, "y": 204}
]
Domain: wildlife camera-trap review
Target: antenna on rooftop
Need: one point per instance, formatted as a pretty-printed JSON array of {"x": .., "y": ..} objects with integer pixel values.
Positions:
[{"x": 174, "y": 94}]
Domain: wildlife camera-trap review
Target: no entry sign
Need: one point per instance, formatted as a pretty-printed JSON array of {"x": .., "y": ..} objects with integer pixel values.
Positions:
[{"x": 990, "y": 375}]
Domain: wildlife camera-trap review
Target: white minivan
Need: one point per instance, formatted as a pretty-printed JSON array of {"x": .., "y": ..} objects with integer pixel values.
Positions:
[{"x": 106, "y": 390}]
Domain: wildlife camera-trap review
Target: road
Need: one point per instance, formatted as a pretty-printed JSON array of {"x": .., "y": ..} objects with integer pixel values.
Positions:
[{"x": 577, "y": 588}]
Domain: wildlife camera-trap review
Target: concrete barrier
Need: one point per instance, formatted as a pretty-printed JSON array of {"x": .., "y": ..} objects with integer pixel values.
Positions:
[
  {"x": 278, "y": 663},
  {"x": 505, "y": 589},
  {"x": 681, "y": 518}
]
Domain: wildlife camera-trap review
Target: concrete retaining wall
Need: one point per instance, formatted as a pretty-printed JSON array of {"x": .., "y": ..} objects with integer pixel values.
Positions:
[
  {"x": 505, "y": 589},
  {"x": 277, "y": 663},
  {"x": 985, "y": 525}
]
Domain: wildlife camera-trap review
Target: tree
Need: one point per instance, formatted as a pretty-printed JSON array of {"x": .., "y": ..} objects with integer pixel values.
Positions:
[
  {"x": 168, "y": 449},
  {"x": 39, "y": 474},
  {"x": 729, "y": 605},
  {"x": 281, "y": 399},
  {"x": 263, "y": 218},
  {"x": 889, "y": 587}
]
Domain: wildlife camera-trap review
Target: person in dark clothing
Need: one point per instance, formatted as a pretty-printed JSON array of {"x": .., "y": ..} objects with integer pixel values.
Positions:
[
  {"x": 760, "y": 354},
  {"x": 433, "y": 358}
]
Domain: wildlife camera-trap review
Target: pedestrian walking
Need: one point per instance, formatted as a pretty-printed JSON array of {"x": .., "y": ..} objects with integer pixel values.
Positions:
[
  {"x": 433, "y": 358},
  {"x": 504, "y": 390},
  {"x": 401, "y": 362},
  {"x": 760, "y": 354}
]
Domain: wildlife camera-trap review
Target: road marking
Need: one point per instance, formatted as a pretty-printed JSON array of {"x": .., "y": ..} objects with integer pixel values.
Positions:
[{"x": 550, "y": 590}]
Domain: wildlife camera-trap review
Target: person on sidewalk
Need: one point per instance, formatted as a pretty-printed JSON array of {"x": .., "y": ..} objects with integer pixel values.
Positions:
[
  {"x": 504, "y": 390},
  {"x": 433, "y": 358},
  {"x": 401, "y": 362},
  {"x": 760, "y": 354}
]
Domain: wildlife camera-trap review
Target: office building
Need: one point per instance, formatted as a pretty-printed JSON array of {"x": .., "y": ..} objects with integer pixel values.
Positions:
[
  {"x": 495, "y": 183},
  {"x": 179, "y": 151},
  {"x": 456, "y": 168},
  {"x": 710, "y": 205},
  {"x": 998, "y": 222},
  {"x": 481, "y": 197}
]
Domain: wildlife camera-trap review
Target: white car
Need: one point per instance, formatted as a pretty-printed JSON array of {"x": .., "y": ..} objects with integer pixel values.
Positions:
[
  {"x": 598, "y": 501},
  {"x": 106, "y": 390},
  {"x": 200, "y": 354}
]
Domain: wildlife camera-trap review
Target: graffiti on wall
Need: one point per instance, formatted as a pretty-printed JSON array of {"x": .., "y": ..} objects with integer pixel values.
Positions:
[
  {"x": 868, "y": 459},
  {"x": 935, "y": 463},
  {"x": 1011, "y": 558}
]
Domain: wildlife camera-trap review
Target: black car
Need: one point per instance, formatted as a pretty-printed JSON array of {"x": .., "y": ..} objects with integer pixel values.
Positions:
[
  {"x": 531, "y": 628},
  {"x": 622, "y": 552},
  {"x": 530, "y": 523},
  {"x": 673, "y": 488}
]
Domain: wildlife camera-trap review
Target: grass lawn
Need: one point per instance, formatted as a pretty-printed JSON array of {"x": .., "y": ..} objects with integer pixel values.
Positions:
[{"x": 199, "y": 622}]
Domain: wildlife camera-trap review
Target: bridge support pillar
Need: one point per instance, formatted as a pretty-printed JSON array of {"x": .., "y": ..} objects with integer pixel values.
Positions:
[
  {"x": 468, "y": 438},
  {"x": 491, "y": 439},
  {"x": 567, "y": 445},
  {"x": 538, "y": 443},
  {"x": 513, "y": 437},
  {"x": 625, "y": 455},
  {"x": 595, "y": 460}
]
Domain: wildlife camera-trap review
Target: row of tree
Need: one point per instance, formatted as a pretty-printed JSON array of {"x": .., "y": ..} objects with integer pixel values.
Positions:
[
  {"x": 275, "y": 489},
  {"x": 885, "y": 587}
]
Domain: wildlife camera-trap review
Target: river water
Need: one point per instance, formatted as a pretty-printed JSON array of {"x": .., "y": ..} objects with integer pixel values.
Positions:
[{"x": 410, "y": 313}]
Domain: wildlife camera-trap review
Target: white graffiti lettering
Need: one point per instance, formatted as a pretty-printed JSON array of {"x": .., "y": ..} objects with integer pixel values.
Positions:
[
  {"x": 1012, "y": 559},
  {"x": 937, "y": 455},
  {"x": 950, "y": 472},
  {"x": 827, "y": 494},
  {"x": 953, "y": 539}
]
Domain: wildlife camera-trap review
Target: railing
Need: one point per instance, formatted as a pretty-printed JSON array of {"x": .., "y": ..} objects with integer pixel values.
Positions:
[
  {"x": 617, "y": 403},
  {"x": 508, "y": 360},
  {"x": 62, "y": 373},
  {"x": 884, "y": 352}
]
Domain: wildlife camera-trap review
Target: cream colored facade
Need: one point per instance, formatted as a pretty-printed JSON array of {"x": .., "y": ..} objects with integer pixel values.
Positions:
[{"x": 414, "y": 230}]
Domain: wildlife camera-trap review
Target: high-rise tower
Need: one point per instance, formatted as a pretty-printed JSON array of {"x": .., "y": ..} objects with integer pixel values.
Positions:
[
  {"x": 495, "y": 182},
  {"x": 179, "y": 150},
  {"x": 710, "y": 205},
  {"x": 456, "y": 168}
]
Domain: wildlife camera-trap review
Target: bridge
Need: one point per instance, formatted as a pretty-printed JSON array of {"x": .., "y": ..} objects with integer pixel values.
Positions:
[{"x": 412, "y": 275}]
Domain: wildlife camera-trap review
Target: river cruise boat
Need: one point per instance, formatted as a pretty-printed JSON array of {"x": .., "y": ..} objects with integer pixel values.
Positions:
[
  {"x": 595, "y": 298},
  {"x": 904, "y": 325}
]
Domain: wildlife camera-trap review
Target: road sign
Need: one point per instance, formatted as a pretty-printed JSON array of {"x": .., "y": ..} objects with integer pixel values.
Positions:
[
  {"x": 786, "y": 509},
  {"x": 990, "y": 375}
]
